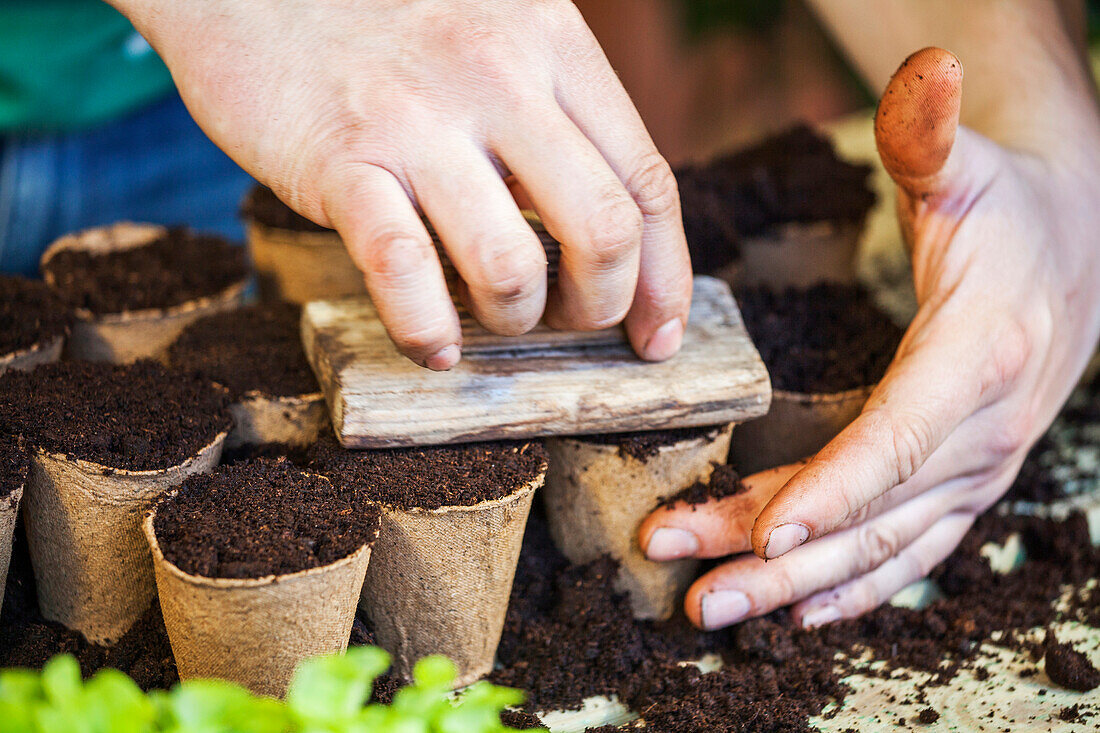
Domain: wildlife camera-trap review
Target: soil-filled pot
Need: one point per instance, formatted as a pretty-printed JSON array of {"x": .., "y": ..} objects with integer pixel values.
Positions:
[
  {"x": 825, "y": 348},
  {"x": 106, "y": 441},
  {"x": 442, "y": 572},
  {"x": 256, "y": 353},
  {"x": 599, "y": 489},
  {"x": 135, "y": 287},
  {"x": 259, "y": 566},
  {"x": 14, "y": 465},
  {"x": 296, "y": 260},
  {"x": 33, "y": 323},
  {"x": 785, "y": 211}
]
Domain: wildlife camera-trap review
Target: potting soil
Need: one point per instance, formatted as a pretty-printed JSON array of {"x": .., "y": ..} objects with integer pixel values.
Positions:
[
  {"x": 431, "y": 478},
  {"x": 14, "y": 463},
  {"x": 140, "y": 416},
  {"x": 256, "y": 348},
  {"x": 259, "y": 518},
  {"x": 645, "y": 444},
  {"x": 823, "y": 339},
  {"x": 169, "y": 271},
  {"x": 30, "y": 313},
  {"x": 1068, "y": 667}
]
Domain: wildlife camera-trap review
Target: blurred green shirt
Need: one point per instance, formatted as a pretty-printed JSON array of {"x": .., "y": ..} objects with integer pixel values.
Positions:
[{"x": 68, "y": 64}]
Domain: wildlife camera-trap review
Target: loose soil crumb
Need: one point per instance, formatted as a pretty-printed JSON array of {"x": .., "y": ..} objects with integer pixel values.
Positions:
[
  {"x": 252, "y": 349},
  {"x": 169, "y": 271},
  {"x": 14, "y": 463},
  {"x": 792, "y": 177},
  {"x": 139, "y": 417},
  {"x": 1070, "y": 668},
  {"x": 431, "y": 478},
  {"x": 724, "y": 482},
  {"x": 928, "y": 716},
  {"x": 644, "y": 445},
  {"x": 260, "y": 518},
  {"x": 264, "y": 207},
  {"x": 824, "y": 339},
  {"x": 30, "y": 313},
  {"x": 521, "y": 720}
]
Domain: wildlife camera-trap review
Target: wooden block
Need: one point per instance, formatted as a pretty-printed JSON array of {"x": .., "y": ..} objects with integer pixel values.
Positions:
[{"x": 543, "y": 383}]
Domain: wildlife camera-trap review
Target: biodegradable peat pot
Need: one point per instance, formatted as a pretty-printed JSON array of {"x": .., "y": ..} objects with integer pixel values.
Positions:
[
  {"x": 441, "y": 580},
  {"x": 293, "y": 421},
  {"x": 300, "y": 266},
  {"x": 43, "y": 352},
  {"x": 597, "y": 494},
  {"x": 798, "y": 255},
  {"x": 33, "y": 323},
  {"x": 797, "y": 426},
  {"x": 255, "y": 630},
  {"x": 83, "y": 520},
  {"x": 123, "y": 337}
]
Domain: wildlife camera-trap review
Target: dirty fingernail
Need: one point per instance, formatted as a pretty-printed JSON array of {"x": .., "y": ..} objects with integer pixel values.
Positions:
[
  {"x": 665, "y": 341},
  {"x": 670, "y": 543},
  {"x": 820, "y": 616},
  {"x": 724, "y": 607},
  {"x": 785, "y": 538},
  {"x": 443, "y": 359}
]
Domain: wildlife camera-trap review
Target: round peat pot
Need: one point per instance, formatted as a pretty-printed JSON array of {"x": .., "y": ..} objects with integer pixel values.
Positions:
[
  {"x": 83, "y": 520},
  {"x": 596, "y": 497},
  {"x": 43, "y": 352},
  {"x": 124, "y": 337},
  {"x": 9, "y": 512},
  {"x": 441, "y": 579},
  {"x": 799, "y": 255},
  {"x": 255, "y": 631},
  {"x": 300, "y": 266},
  {"x": 797, "y": 426},
  {"x": 259, "y": 419}
]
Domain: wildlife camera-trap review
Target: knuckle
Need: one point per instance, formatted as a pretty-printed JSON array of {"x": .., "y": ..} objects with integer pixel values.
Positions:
[
  {"x": 614, "y": 230},
  {"x": 913, "y": 436},
  {"x": 395, "y": 256},
  {"x": 1011, "y": 437},
  {"x": 654, "y": 187},
  {"x": 1011, "y": 349},
  {"x": 877, "y": 543},
  {"x": 509, "y": 273}
]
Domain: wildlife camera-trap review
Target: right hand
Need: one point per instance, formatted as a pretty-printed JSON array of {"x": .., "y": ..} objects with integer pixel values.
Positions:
[{"x": 355, "y": 113}]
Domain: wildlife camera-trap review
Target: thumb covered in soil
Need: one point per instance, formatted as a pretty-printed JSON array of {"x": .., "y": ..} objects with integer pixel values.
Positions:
[{"x": 917, "y": 120}]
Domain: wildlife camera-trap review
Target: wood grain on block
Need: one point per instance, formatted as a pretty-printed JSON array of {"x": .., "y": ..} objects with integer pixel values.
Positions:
[{"x": 543, "y": 383}]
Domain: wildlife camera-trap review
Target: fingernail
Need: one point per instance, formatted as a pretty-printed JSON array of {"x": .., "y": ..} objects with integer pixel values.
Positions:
[
  {"x": 820, "y": 616},
  {"x": 670, "y": 543},
  {"x": 785, "y": 538},
  {"x": 724, "y": 607},
  {"x": 443, "y": 359},
  {"x": 665, "y": 341}
]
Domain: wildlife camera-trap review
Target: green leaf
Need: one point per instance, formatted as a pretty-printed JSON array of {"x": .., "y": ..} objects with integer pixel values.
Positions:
[
  {"x": 61, "y": 681},
  {"x": 216, "y": 706},
  {"x": 435, "y": 672},
  {"x": 335, "y": 688}
]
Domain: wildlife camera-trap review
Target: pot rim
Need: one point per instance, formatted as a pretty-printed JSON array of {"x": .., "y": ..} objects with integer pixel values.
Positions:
[
  {"x": 94, "y": 467},
  {"x": 510, "y": 498},
  {"x": 305, "y": 399},
  {"x": 822, "y": 397},
  {"x": 709, "y": 437},
  {"x": 38, "y": 346}
]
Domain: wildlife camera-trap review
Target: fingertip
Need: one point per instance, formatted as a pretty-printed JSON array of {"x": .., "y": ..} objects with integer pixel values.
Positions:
[
  {"x": 444, "y": 359},
  {"x": 665, "y": 342}
]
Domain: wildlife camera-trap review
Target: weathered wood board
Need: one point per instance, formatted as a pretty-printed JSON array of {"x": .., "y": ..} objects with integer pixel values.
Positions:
[{"x": 544, "y": 383}]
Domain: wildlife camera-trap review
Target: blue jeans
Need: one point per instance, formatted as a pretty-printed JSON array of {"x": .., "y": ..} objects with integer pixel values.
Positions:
[{"x": 153, "y": 165}]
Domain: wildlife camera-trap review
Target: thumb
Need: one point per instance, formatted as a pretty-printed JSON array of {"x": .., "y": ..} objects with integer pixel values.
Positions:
[{"x": 917, "y": 121}]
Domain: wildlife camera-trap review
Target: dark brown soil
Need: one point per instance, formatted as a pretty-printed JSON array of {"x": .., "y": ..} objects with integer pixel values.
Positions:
[
  {"x": 824, "y": 339},
  {"x": 29, "y": 314},
  {"x": 28, "y": 640},
  {"x": 430, "y": 478},
  {"x": 172, "y": 270},
  {"x": 520, "y": 720},
  {"x": 1070, "y": 668},
  {"x": 792, "y": 177},
  {"x": 265, "y": 517},
  {"x": 257, "y": 348},
  {"x": 644, "y": 445},
  {"x": 297, "y": 455},
  {"x": 722, "y": 483},
  {"x": 928, "y": 716},
  {"x": 138, "y": 417},
  {"x": 14, "y": 463},
  {"x": 264, "y": 207}
]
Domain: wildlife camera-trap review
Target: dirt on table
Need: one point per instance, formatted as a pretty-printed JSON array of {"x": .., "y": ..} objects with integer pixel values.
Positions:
[
  {"x": 645, "y": 444},
  {"x": 140, "y": 416},
  {"x": 259, "y": 518},
  {"x": 819, "y": 340},
  {"x": 262, "y": 206},
  {"x": 431, "y": 478},
  {"x": 791, "y": 177},
  {"x": 176, "y": 268},
  {"x": 1068, "y": 667},
  {"x": 253, "y": 349},
  {"x": 30, "y": 313}
]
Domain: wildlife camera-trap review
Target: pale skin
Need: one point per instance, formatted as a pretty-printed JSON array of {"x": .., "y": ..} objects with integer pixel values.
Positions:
[{"x": 360, "y": 112}]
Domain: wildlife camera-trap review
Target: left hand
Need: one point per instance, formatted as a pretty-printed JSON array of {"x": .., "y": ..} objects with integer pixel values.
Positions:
[{"x": 1006, "y": 268}]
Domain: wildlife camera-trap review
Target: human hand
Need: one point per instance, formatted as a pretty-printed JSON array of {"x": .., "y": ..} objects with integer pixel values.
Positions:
[
  {"x": 352, "y": 112},
  {"x": 1005, "y": 264}
]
